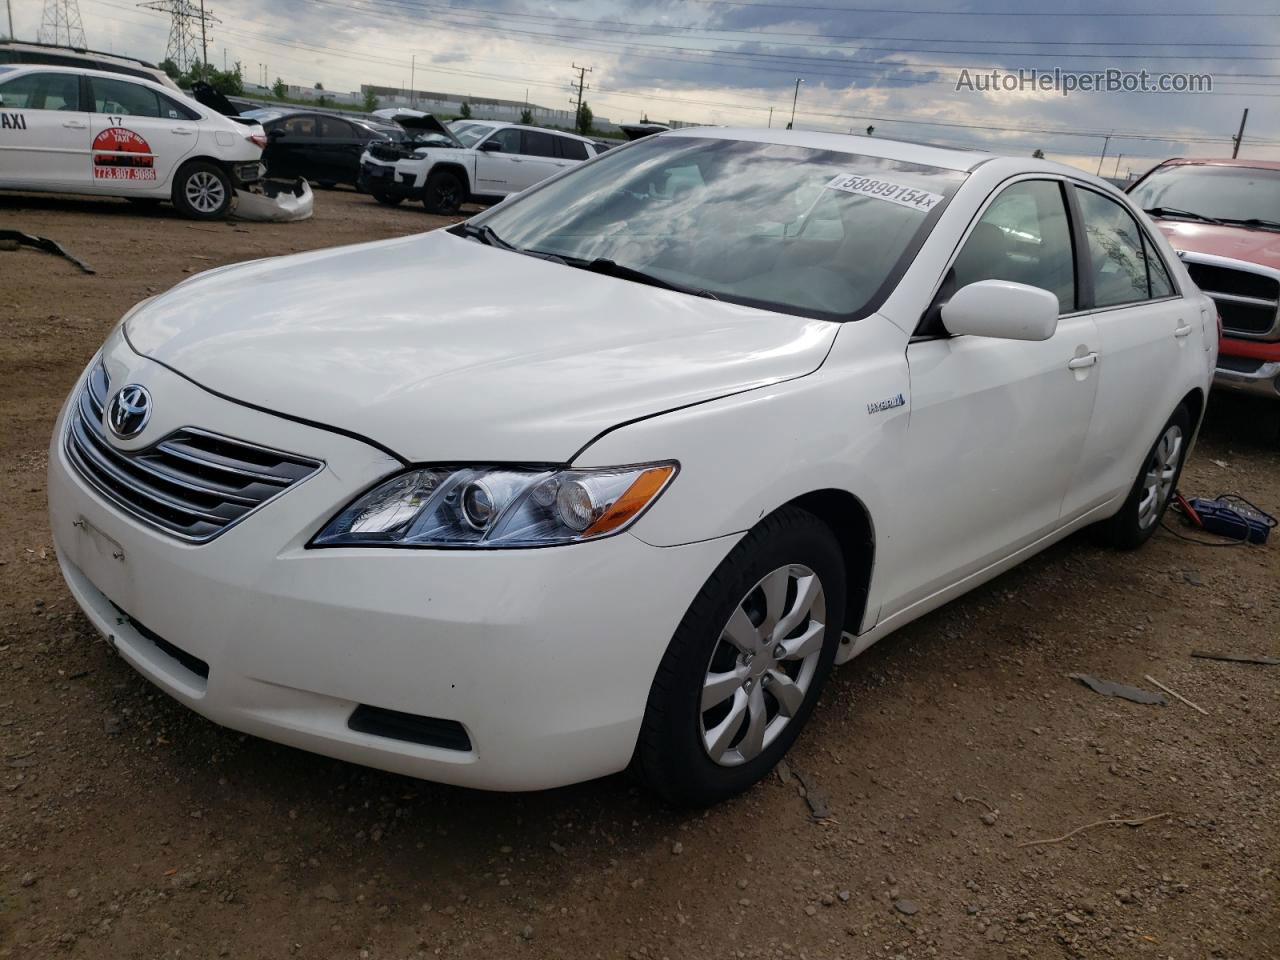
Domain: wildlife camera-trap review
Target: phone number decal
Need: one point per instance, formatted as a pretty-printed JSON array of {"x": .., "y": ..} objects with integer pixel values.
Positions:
[{"x": 880, "y": 189}]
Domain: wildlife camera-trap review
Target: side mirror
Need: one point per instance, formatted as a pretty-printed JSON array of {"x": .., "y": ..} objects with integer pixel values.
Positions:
[
  {"x": 275, "y": 133},
  {"x": 491, "y": 146},
  {"x": 1001, "y": 309}
]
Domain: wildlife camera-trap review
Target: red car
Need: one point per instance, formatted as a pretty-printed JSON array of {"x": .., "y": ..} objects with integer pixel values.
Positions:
[{"x": 1223, "y": 218}]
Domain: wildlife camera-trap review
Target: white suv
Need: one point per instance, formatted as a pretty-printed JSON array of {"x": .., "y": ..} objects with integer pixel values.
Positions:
[
  {"x": 477, "y": 161},
  {"x": 614, "y": 473},
  {"x": 67, "y": 130}
]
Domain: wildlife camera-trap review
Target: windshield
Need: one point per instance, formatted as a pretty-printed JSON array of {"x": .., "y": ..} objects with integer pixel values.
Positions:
[
  {"x": 798, "y": 230},
  {"x": 468, "y": 133},
  {"x": 1224, "y": 193}
]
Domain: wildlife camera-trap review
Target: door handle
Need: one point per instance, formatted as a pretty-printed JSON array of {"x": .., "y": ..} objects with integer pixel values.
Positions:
[
  {"x": 182, "y": 131},
  {"x": 515, "y": 159},
  {"x": 1079, "y": 363},
  {"x": 1182, "y": 331},
  {"x": 75, "y": 125}
]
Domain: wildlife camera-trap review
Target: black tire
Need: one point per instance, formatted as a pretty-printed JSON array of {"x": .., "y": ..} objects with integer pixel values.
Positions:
[
  {"x": 671, "y": 757},
  {"x": 1127, "y": 529},
  {"x": 387, "y": 200},
  {"x": 444, "y": 193},
  {"x": 202, "y": 191},
  {"x": 326, "y": 184}
]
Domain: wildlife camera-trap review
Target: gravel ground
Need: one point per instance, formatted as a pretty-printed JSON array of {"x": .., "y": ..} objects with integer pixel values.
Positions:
[{"x": 131, "y": 828}]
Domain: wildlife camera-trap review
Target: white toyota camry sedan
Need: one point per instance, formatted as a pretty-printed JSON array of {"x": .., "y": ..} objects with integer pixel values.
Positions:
[{"x": 611, "y": 475}]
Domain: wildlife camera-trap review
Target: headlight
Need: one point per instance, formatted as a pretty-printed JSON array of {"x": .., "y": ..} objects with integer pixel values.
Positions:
[{"x": 497, "y": 506}]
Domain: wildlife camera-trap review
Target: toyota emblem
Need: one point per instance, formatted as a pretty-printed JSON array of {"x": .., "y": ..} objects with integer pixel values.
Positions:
[{"x": 129, "y": 411}]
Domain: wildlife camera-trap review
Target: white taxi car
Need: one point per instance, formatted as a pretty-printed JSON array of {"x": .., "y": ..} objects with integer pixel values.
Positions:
[
  {"x": 68, "y": 130},
  {"x": 612, "y": 474},
  {"x": 466, "y": 161}
]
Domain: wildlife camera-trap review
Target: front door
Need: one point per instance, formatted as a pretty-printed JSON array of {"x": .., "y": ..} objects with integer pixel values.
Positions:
[
  {"x": 997, "y": 426},
  {"x": 44, "y": 133},
  {"x": 500, "y": 171}
]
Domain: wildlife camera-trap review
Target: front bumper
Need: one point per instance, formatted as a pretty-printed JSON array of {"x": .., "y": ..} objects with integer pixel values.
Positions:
[
  {"x": 544, "y": 657},
  {"x": 1249, "y": 366},
  {"x": 382, "y": 178}
]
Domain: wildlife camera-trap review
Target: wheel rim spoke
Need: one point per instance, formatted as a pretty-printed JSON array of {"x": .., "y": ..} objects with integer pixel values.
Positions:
[
  {"x": 719, "y": 738},
  {"x": 774, "y": 588},
  {"x": 787, "y": 692},
  {"x": 805, "y": 645},
  {"x": 806, "y": 592},
  {"x": 741, "y": 632},
  {"x": 719, "y": 687},
  {"x": 757, "y": 720}
]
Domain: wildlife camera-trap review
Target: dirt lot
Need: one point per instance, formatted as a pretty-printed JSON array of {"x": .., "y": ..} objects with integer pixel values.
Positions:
[{"x": 131, "y": 828}]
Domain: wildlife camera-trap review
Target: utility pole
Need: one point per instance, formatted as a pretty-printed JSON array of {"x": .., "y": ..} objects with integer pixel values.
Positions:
[
  {"x": 1105, "y": 140},
  {"x": 794, "y": 97},
  {"x": 1115, "y": 174},
  {"x": 771, "y": 117},
  {"x": 582, "y": 85},
  {"x": 8, "y": 5},
  {"x": 204, "y": 36},
  {"x": 1236, "y": 140},
  {"x": 413, "y": 81}
]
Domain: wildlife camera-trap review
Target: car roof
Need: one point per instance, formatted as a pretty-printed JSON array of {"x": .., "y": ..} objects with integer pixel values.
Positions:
[
  {"x": 901, "y": 150},
  {"x": 499, "y": 124},
  {"x": 90, "y": 72},
  {"x": 1220, "y": 162}
]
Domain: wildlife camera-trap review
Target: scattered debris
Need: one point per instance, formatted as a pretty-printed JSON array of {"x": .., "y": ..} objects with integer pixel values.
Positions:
[
  {"x": 908, "y": 908},
  {"x": 784, "y": 771},
  {"x": 1109, "y": 688},
  {"x": 963, "y": 799},
  {"x": 328, "y": 892},
  {"x": 1192, "y": 577},
  {"x": 1175, "y": 693},
  {"x": 819, "y": 806},
  {"x": 1237, "y": 657},
  {"x": 18, "y": 238},
  {"x": 1097, "y": 823}
]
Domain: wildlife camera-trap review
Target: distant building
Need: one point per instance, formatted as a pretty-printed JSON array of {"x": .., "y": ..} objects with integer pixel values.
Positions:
[{"x": 482, "y": 108}]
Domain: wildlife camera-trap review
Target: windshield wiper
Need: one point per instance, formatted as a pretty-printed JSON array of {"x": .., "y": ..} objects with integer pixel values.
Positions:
[
  {"x": 1179, "y": 212},
  {"x": 1254, "y": 222},
  {"x": 485, "y": 234},
  {"x": 612, "y": 268}
]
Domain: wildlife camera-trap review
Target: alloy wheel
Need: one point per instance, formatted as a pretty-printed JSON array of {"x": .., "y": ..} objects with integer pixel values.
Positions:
[
  {"x": 205, "y": 192},
  {"x": 1157, "y": 481},
  {"x": 763, "y": 664}
]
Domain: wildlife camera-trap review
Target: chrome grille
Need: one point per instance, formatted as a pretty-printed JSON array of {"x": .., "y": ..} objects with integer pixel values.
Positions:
[
  {"x": 192, "y": 484},
  {"x": 1248, "y": 296}
]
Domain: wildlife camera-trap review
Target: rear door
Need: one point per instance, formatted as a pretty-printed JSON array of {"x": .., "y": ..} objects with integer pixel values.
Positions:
[
  {"x": 1145, "y": 334},
  {"x": 541, "y": 157},
  {"x": 570, "y": 152},
  {"x": 342, "y": 146},
  {"x": 140, "y": 136},
  {"x": 44, "y": 132}
]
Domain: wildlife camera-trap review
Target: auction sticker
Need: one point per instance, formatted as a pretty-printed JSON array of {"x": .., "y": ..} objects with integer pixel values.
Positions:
[
  {"x": 120, "y": 154},
  {"x": 880, "y": 188}
]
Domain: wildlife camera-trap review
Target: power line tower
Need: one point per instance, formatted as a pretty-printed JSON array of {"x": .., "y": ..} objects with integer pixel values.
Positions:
[
  {"x": 582, "y": 85},
  {"x": 60, "y": 24},
  {"x": 188, "y": 30}
]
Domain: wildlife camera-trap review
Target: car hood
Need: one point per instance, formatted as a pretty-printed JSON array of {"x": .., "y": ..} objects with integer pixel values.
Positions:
[
  {"x": 441, "y": 348},
  {"x": 1238, "y": 243}
]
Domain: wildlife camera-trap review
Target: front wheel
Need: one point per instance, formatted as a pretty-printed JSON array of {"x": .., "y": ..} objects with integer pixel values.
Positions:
[
  {"x": 744, "y": 669},
  {"x": 444, "y": 193},
  {"x": 1153, "y": 489},
  {"x": 387, "y": 199},
  {"x": 202, "y": 191}
]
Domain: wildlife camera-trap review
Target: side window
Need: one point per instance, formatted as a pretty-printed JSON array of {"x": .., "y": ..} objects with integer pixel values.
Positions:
[
  {"x": 509, "y": 138},
  {"x": 1115, "y": 256},
  {"x": 571, "y": 149},
  {"x": 331, "y": 128},
  {"x": 1023, "y": 236},
  {"x": 1157, "y": 274},
  {"x": 125, "y": 98},
  {"x": 173, "y": 110},
  {"x": 300, "y": 126},
  {"x": 42, "y": 91},
  {"x": 538, "y": 144}
]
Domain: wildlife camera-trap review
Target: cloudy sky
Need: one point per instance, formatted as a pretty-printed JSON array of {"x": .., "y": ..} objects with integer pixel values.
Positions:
[{"x": 727, "y": 63}]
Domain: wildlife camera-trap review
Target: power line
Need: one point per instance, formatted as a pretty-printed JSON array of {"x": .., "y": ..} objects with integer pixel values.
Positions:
[{"x": 971, "y": 13}]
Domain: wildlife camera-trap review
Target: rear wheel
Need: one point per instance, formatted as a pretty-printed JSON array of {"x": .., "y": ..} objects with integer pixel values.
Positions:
[
  {"x": 744, "y": 669},
  {"x": 1153, "y": 489},
  {"x": 444, "y": 193},
  {"x": 202, "y": 191}
]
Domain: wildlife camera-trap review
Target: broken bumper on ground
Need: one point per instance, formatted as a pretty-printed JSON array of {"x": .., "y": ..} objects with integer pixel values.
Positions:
[{"x": 276, "y": 201}]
